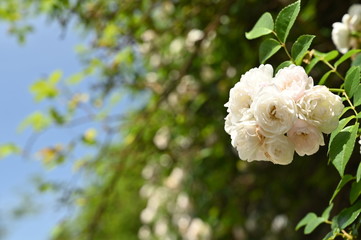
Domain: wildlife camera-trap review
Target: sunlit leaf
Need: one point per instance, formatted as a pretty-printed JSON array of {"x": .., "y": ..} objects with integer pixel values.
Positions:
[
  {"x": 285, "y": 20},
  {"x": 300, "y": 47},
  {"x": 262, "y": 27},
  {"x": 347, "y": 56},
  {"x": 342, "y": 146},
  {"x": 310, "y": 221},
  {"x": 37, "y": 121},
  {"x": 325, "y": 77},
  {"x": 8, "y": 149}
]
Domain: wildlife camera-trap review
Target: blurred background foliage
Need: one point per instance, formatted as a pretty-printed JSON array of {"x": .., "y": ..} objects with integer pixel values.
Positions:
[{"x": 166, "y": 169}]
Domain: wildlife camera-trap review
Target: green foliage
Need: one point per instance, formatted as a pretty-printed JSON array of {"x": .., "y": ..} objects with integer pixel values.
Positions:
[
  {"x": 300, "y": 47},
  {"x": 180, "y": 58},
  {"x": 342, "y": 146},
  {"x": 285, "y": 20},
  {"x": 352, "y": 80},
  {"x": 8, "y": 149},
  {"x": 46, "y": 88},
  {"x": 37, "y": 121},
  {"x": 262, "y": 27},
  {"x": 268, "y": 48}
]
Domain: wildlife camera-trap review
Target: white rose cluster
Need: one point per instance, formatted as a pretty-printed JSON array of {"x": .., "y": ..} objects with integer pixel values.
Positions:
[
  {"x": 346, "y": 34},
  {"x": 271, "y": 117}
]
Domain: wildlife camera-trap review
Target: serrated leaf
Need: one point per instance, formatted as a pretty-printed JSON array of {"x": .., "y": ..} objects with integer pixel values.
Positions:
[
  {"x": 263, "y": 26},
  {"x": 325, "y": 77},
  {"x": 285, "y": 20},
  {"x": 355, "y": 191},
  {"x": 348, "y": 215},
  {"x": 342, "y": 146},
  {"x": 341, "y": 125},
  {"x": 283, "y": 65},
  {"x": 352, "y": 80},
  {"x": 300, "y": 47},
  {"x": 357, "y": 96},
  {"x": 267, "y": 49},
  {"x": 345, "y": 179},
  {"x": 347, "y": 56}
]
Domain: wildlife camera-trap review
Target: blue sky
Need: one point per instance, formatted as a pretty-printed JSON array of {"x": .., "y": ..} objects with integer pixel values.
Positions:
[{"x": 44, "y": 51}]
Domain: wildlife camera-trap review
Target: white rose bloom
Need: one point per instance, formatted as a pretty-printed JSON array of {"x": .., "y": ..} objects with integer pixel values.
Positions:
[
  {"x": 306, "y": 138},
  {"x": 257, "y": 78},
  {"x": 321, "y": 108},
  {"x": 293, "y": 81},
  {"x": 341, "y": 34},
  {"x": 248, "y": 141},
  {"x": 342, "y": 31},
  {"x": 239, "y": 102},
  {"x": 279, "y": 150},
  {"x": 274, "y": 112},
  {"x": 355, "y": 17},
  {"x": 242, "y": 94}
]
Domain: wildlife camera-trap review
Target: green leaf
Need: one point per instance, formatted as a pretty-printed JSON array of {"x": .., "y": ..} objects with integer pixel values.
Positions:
[
  {"x": 305, "y": 220},
  {"x": 310, "y": 221},
  {"x": 357, "y": 60},
  {"x": 263, "y": 26},
  {"x": 46, "y": 88},
  {"x": 285, "y": 20},
  {"x": 8, "y": 149},
  {"x": 357, "y": 96},
  {"x": 342, "y": 146},
  {"x": 345, "y": 179},
  {"x": 355, "y": 191},
  {"x": 283, "y": 65},
  {"x": 56, "y": 116},
  {"x": 300, "y": 47},
  {"x": 347, "y": 56},
  {"x": 37, "y": 120},
  {"x": 325, "y": 77},
  {"x": 311, "y": 65},
  {"x": 326, "y": 214},
  {"x": 358, "y": 174},
  {"x": 267, "y": 49},
  {"x": 342, "y": 123},
  {"x": 348, "y": 215},
  {"x": 312, "y": 225},
  {"x": 352, "y": 80},
  {"x": 326, "y": 56}
]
